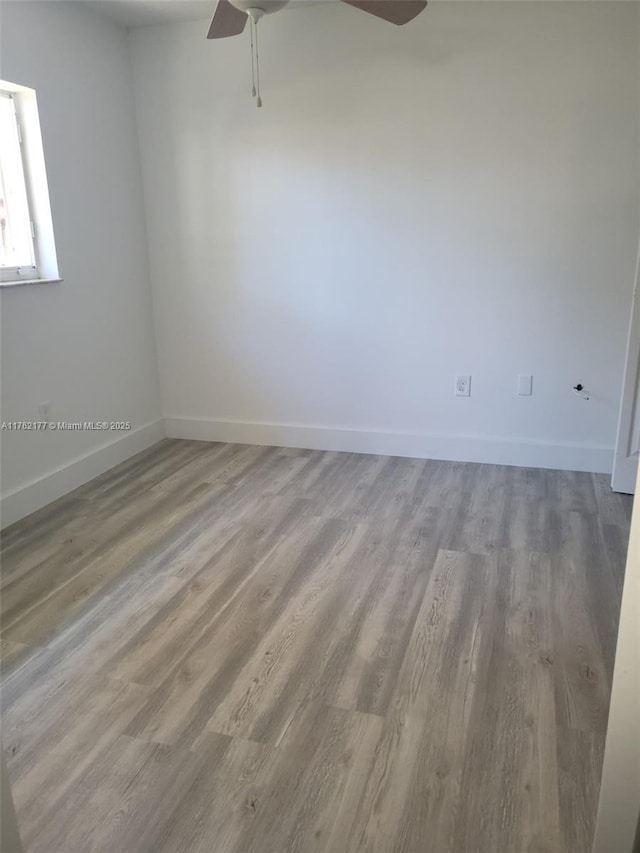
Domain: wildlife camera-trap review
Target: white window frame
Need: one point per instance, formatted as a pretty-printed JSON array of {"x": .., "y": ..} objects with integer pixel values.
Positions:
[
  {"x": 45, "y": 267},
  {"x": 31, "y": 271}
]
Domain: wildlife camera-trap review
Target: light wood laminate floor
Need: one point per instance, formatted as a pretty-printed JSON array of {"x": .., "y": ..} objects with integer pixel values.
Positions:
[{"x": 234, "y": 649}]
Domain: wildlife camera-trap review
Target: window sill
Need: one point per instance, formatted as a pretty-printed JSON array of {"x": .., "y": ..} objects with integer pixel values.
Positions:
[{"x": 29, "y": 281}]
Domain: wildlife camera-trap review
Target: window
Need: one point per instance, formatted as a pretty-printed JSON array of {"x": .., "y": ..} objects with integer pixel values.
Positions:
[
  {"x": 16, "y": 226},
  {"x": 27, "y": 250}
]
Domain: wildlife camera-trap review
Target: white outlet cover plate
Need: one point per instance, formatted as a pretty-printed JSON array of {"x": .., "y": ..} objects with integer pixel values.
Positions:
[
  {"x": 44, "y": 411},
  {"x": 463, "y": 385},
  {"x": 525, "y": 385}
]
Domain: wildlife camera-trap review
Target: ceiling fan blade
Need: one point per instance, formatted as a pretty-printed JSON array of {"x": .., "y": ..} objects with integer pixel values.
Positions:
[
  {"x": 395, "y": 11},
  {"x": 227, "y": 21}
]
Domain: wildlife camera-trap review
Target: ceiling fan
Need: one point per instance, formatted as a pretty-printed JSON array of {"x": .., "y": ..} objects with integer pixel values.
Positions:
[{"x": 231, "y": 16}]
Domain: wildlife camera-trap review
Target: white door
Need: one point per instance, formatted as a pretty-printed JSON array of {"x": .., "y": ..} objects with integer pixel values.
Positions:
[
  {"x": 625, "y": 462},
  {"x": 620, "y": 789}
]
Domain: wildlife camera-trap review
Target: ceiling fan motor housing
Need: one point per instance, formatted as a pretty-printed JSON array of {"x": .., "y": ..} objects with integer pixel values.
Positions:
[{"x": 254, "y": 7}]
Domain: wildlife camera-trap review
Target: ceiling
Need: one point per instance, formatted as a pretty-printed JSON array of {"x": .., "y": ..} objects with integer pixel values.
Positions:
[{"x": 140, "y": 13}]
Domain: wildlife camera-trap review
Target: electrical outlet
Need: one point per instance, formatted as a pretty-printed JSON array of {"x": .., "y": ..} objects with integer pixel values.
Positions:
[
  {"x": 44, "y": 411},
  {"x": 525, "y": 384},
  {"x": 463, "y": 386}
]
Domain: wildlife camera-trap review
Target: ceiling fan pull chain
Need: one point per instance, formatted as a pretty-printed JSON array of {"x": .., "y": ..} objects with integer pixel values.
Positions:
[
  {"x": 259, "y": 101},
  {"x": 253, "y": 72}
]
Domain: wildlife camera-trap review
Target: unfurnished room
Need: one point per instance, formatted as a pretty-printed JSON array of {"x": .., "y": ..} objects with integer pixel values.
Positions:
[{"x": 320, "y": 422}]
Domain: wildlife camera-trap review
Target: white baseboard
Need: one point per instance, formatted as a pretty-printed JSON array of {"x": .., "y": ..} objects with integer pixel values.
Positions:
[
  {"x": 567, "y": 456},
  {"x": 40, "y": 492}
]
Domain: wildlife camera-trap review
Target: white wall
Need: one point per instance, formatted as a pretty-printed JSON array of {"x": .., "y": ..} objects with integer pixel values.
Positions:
[
  {"x": 456, "y": 196},
  {"x": 86, "y": 344}
]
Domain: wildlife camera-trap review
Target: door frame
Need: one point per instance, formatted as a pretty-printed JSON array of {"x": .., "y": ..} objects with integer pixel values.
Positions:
[{"x": 625, "y": 460}]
